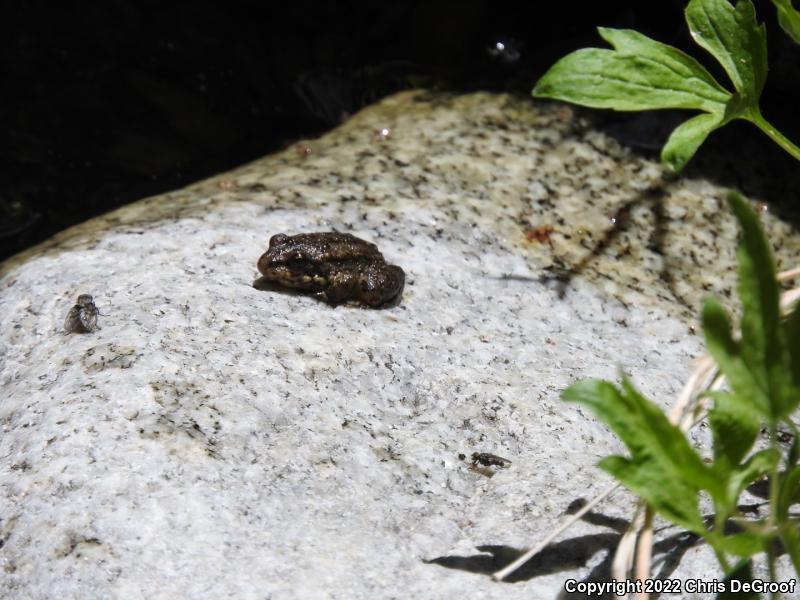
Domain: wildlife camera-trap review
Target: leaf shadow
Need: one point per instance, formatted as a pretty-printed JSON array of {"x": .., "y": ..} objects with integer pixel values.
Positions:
[
  {"x": 734, "y": 158},
  {"x": 562, "y": 274},
  {"x": 737, "y": 156},
  {"x": 571, "y": 554}
]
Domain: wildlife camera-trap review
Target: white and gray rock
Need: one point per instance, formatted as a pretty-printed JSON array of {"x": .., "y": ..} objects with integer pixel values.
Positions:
[{"x": 212, "y": 440}]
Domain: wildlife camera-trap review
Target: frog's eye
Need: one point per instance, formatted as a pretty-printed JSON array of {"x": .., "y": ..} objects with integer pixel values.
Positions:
[
  {"x": 299, "y": 266},
  {"x": 277, "y": 239}
]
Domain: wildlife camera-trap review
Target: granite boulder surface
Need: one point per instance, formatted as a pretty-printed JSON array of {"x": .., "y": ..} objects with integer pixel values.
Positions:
[{"x": 214, "y": 439}]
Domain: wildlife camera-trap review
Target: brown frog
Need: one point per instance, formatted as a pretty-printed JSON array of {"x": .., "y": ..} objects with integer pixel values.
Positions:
[{"x": 337, "y": 267}]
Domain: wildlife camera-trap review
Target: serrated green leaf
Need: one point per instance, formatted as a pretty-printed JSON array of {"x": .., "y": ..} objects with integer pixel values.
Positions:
[
  {"x": 608, "y": 404},
  {"x": 687, "y": 138},
  {"x": 759, "y": 366},
  {"x": 639, "y": 74},
  {"x": 788, "y": 18},
  {"x": 671, "y": 442},
  {"x": 763, "y": 346},
  {"x": 728, "y": 355},
  {"x": 758, "y": 289},
  {"x": 735, "y": 38},
  {"x": 659, "y": 451},
  {"x": 754, "y": 468},
  {"x": 645, "y": 430},
  {"x": 692, "y": 76},
  {"x": 672, "y": 498},
  {"x": 606, "y": 79},
  {"x": 735, "y": 424},
  {"x": 643, "y": 74}
]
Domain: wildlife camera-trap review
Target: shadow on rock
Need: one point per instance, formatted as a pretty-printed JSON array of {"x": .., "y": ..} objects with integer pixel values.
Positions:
[
  {"x": 571, "y": 555},
  {"x": 561, "y": 556}
]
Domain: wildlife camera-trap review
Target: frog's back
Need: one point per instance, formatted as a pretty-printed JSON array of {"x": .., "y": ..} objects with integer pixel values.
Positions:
[{"x": 325, "y": 247}]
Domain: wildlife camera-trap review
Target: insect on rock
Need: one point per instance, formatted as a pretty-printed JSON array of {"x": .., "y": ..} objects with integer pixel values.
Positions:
[
  {"x": 82, "y": 317},
  {"x": 489, "y": 460}
]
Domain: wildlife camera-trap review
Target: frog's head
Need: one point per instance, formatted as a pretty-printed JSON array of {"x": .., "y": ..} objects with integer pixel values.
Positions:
[{"x": 288, "y": 262}]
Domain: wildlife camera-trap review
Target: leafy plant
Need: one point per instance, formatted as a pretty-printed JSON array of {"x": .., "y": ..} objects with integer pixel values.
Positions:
[
  {"x": 788, "y": 18},
  {"x": 762, "y": 368},
  {"x": 762, "y": 363},
  {"x": 643, "y": 74}
]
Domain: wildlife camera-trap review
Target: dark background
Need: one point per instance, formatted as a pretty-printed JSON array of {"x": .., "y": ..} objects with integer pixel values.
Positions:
[{"x": 106, "y": 102}]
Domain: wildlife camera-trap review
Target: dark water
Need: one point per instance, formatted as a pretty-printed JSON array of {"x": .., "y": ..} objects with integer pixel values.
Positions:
[{"x": 107, "y": 102}]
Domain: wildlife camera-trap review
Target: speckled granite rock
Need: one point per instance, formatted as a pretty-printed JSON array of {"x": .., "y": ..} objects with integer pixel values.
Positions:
[{"x": 213, "y": 440}]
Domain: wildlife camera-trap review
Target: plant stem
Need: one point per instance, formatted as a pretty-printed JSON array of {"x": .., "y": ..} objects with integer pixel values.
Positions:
[
  {"x": 774, "y": 491},
  {"x": 772, "y": 574},
  {"x": 713, "y": 540},
  {"x": 776, "y": 136}
]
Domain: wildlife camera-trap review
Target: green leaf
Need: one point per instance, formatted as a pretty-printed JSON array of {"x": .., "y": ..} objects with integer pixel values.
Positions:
[
  {"x": 791, "y": 328},
  {"x": 639, "y": 74},
  {"x": 687, "y": 138},
  {"x": 788, "y": 18},
  {"x": 794, "y": 450},
  {"x": 741, "y": 571},
  {"x": 758, "y": 289},
  {"x": 672, "y": 498},
  {"x": 744, "y": 543},
  {"x": 790, "y": 536},
  {"x": 728, "y": 355},
  {"x": 670, "y": 440},
  {"x": 734, "y": 37},
  {"x": 758, "y": 367},
  {"x": 735, "y": 424},
  {"x": 606, "y": 79},
  {"x": 643, "y": 74},
  {"x": 789, "y": 492},
  {"x": 754, "y": 468},
  {"x": 644, "y": 428},
  {"x": 674, "y": 67},
  {"x": 763, "y": 345},
  {"x": 664, "y": 469}
]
